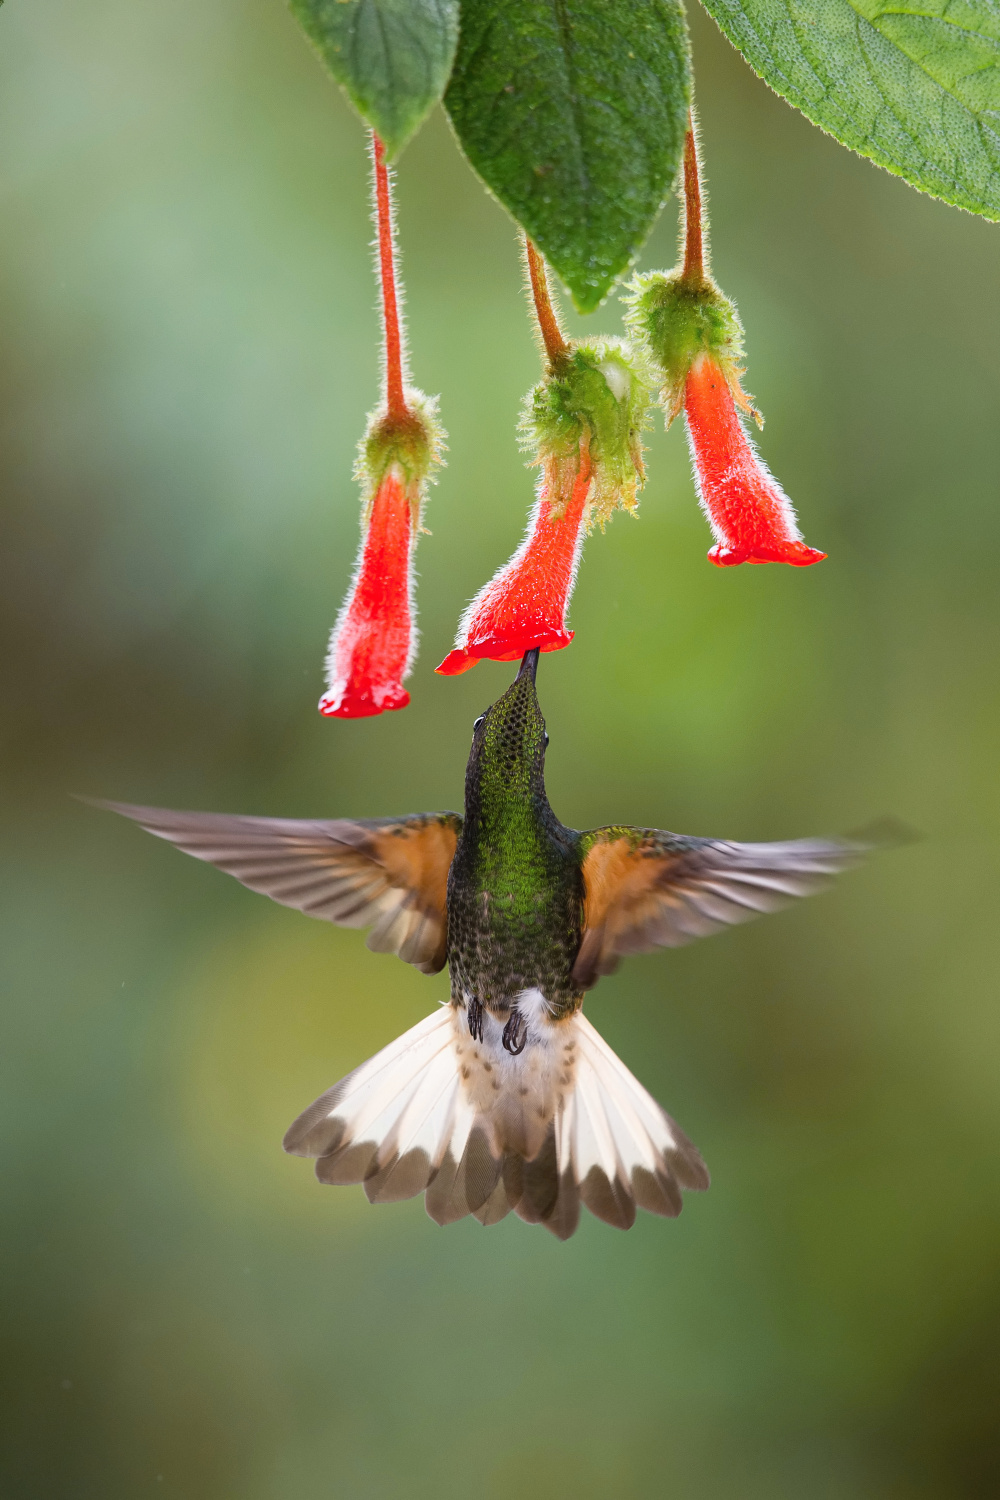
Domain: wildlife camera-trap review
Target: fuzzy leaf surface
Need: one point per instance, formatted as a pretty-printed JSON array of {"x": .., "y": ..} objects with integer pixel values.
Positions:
[
  {"x": 913, "y": 86},
  {"x": 392, "y": 57},
  {"x": 573, "y": 113}
]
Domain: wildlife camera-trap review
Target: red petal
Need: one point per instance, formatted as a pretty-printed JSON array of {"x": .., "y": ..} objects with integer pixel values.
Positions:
[
  {"x": 455, "y": 663},
  {"x": 750, "y": 514},
  {"x": 372, "y": 642},
  {"x": 524, "y": 605},
  {"x": 348, "y": 705}
]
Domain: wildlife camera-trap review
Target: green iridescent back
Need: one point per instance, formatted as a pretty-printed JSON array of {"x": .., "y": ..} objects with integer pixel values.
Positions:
[{"x": 515, "y": 891}]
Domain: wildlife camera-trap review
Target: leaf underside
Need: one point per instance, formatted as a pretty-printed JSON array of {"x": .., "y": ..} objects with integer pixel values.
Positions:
[
  {"x": 392, "y": 57},
  {"x": 573, "y": 113},
  {"x": 915, "y": 87}
]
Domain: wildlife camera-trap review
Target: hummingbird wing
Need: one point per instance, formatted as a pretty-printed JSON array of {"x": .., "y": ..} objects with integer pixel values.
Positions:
[
  {"x": 390, "y": 874},
  {"x": 646, "y": 889}
]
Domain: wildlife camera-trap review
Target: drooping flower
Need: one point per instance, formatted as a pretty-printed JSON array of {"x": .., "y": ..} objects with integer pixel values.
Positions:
[
  {"x": 372, "y": 644},
  {"x": 750, "y": 514},
  {"x": 374, "y": 640},
  {"x": 695, "y": 340},
  {"x": 524, "y": 604},
  {"x": 582, "y": 425}
]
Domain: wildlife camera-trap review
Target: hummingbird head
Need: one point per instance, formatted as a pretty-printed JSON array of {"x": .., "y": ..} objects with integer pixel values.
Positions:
[{"x": 507, "y": 762}]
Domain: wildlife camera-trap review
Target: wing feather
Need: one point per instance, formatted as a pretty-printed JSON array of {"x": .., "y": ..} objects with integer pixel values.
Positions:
[
  {"x": 390, "y": 874},
  {"x": 647, "y": 889}
]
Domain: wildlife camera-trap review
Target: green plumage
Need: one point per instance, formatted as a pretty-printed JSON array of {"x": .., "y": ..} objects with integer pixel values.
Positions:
[{"x": 515, "y": 890}]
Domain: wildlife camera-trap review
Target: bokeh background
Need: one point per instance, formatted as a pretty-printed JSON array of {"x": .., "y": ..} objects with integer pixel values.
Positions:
[{"x": 187, "y": 354}]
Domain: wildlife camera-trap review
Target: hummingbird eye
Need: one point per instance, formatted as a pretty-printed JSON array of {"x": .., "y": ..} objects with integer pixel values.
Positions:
[{"x": 478, "y": 722}]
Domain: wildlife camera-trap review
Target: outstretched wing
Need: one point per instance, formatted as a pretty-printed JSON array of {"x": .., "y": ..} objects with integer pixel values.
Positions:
[
  {"x": 390, "y": 874},
  {"x": 646, "y": 889}
]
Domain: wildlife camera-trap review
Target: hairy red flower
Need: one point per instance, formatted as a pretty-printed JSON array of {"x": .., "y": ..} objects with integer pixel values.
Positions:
[
  {"x": 524, "y": 604},
  {"x": 749, "y": 512},
  {"x": 373, "y": 641},
  {"x": 695, "y": 339}
]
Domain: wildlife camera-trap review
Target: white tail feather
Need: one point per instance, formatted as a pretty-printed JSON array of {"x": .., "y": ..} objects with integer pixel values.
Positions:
[{"x": 485, "y": 1132}]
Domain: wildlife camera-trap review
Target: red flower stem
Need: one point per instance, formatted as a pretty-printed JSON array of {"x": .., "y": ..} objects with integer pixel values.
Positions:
[
  {"x": 548, "y": 324},
  {"x": 694, "y": 249},
  {"x": 394, "y": 399}
]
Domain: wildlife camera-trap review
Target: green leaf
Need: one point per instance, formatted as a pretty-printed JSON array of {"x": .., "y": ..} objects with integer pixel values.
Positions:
[
  {"x": 573, "y": 113},
  {"x": 393, "y": 57},
  {"x": 913, "y": 86}
]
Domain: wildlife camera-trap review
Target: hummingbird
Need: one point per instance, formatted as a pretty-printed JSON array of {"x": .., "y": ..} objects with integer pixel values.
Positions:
[{"x": 506, "y": 1098}]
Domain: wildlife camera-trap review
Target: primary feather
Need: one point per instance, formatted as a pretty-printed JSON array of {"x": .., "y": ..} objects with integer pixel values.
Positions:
[{"x": 389, "y": 874}]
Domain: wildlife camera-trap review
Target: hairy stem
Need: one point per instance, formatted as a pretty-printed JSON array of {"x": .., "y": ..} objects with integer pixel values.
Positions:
[
  {"x": 548, "y": 324},
  {"x": 394, "y": 362},
  {"x": 694, "y": 247}
]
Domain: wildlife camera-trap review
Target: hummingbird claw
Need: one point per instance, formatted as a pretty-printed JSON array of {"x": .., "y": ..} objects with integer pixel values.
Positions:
[
  {"x": 475, "y": 1014},
  {"x": 515, "y": 1033}
]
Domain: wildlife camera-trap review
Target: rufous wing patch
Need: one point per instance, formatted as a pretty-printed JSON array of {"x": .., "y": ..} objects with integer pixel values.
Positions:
[
  {"x": 416, "y": 854},
  {"x": 621, "y": 877},
  {"x": 645, "y": 888}
]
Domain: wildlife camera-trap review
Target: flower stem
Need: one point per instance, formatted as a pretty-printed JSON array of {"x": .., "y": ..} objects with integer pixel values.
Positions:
[
  {"x": 394, "y": 362},
  {"x": 694, "y": 248},
  {"x": 548, "y": 324}
]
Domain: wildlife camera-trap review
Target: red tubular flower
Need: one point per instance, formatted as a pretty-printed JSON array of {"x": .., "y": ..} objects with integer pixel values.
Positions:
[
  {"x": 582, "y": 425},
  {"x": 524, "y": 605},
  {"x": 695, "y": 340},
  {"x": 751, "y": 516},
  {"x": 373, "y": 641}
]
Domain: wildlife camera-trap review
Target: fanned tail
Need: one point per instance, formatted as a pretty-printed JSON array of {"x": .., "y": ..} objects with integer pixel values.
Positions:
[{"x": 485, "y": 1133}]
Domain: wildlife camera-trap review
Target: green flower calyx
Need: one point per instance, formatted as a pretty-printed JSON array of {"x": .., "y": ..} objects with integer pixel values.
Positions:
[
  {"x": 676, "y": 318},
  {"x": 411, "y": 443},
  {"x": 597, "y": 392}
]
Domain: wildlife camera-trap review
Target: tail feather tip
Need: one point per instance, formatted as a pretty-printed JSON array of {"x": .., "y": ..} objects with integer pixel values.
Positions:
[{"x": 410, "y": 1121}]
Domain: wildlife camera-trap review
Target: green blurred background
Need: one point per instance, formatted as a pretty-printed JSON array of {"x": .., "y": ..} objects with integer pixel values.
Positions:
[{"x": 187, "y": 354}]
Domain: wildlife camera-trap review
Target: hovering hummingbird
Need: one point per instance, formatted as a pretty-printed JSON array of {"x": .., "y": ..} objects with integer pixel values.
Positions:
[{"x": 506, "y": 1097}]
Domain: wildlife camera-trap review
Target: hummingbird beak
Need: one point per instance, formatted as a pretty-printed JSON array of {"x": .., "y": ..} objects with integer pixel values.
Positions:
[{"x": 529, "y": 665}]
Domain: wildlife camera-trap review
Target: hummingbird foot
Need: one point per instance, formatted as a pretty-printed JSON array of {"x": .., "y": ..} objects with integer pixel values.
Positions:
[
  {"x": 475, "y": 1014},
  {"x": 515, "y": 1033}
]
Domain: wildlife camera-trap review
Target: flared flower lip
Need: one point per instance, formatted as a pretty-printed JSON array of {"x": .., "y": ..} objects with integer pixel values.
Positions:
[
  {"x": 795, "y": 553},
  {"x": 341, "y": 702},
  {"x": 459, "y": 660}
]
